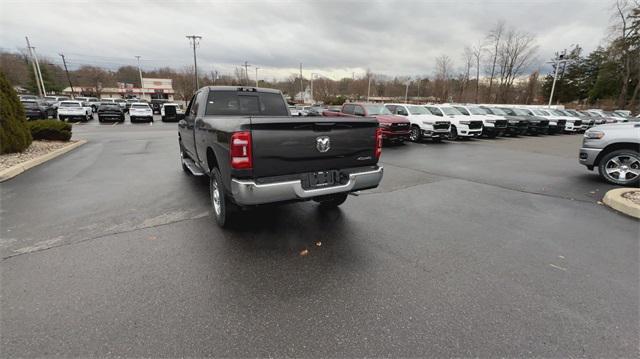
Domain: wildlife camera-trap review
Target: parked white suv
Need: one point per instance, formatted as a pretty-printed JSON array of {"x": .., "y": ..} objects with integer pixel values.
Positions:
[
  {"x": 74, "y": 110},
  {"x": 140, "y": 111},
  {"x": 492, "y": 125},
  {"x": 461, "y": 125},
  {"x": 423, "y": 123}
]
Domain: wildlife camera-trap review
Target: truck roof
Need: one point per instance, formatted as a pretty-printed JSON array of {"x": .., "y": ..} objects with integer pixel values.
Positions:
[{"x": 242, "y": 88}]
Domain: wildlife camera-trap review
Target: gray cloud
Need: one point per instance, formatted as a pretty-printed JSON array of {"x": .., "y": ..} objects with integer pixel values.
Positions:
[{"x": 334, "y": 38}]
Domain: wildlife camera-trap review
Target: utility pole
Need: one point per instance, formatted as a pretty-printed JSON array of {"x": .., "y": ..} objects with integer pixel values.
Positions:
[
  {"x": 313, "y": 76},
  {"x": 195, "y": 40},
  {"x": 406, "y": 92},
  {"x": 368, "y": 87},
  {"x": 44, "y": 90},
  {"x": 35, "y": 70},
  {"x": 257, "y": 76},
  {"x": 301, "y": 85},
  {"x": 246, "y": 73},
  {"x": 140, "y": 73},
  {"x": 73, "y": 93},
  {"x": 557, "y": 61}
]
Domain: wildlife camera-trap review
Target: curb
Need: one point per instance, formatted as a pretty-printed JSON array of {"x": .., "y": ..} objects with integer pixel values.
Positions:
[
  {"x": 614, "y": 199},
  {"x": 13, "y": 171}
]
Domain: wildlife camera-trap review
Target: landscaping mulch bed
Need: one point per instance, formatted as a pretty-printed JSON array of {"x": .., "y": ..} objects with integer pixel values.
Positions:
[
  {"x": 37, "y": 149},
  {"x": 633, "y": 196}
]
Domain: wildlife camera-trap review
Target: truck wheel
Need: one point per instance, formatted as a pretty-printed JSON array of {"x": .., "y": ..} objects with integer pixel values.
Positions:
[
  {"x": 332, "y": 201},
  {"x": 621, "y": 167},
  {"x": 415, "y": 135},
  {"x": 453, "y": 134},
  {"x": 218, "y": 199}
]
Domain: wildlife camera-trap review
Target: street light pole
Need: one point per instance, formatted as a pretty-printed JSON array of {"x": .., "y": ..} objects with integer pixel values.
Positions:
[
  {"x": 140, "y": 73},
  {"x": 35, "y": 70},
  {"x": 406, "y": 92},
  {"x": 558, "y": 60},
  {"x": 257, "y": 76},
  {"x": 195, "y": 40}
]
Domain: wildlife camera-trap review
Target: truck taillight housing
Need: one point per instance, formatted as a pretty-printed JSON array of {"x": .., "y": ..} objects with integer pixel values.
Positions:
[
  {"x": 240, "y": 150},
  {"x": 378, "y": 143}
]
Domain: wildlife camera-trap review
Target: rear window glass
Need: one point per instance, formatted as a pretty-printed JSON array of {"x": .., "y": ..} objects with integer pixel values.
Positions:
[
  {"x": 257, "y": 104},
  {"x": 140, "y": 106},
  {"x": 70, "y": 104},
  {"x": 109, "y": 106}
]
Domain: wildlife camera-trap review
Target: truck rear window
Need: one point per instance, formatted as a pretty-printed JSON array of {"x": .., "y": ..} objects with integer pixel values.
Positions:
[{"x": 245, "y": 104}]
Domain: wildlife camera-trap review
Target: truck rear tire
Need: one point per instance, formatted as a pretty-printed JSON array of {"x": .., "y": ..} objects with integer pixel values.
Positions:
[
  {"x": 332, "y": 201},
  {"x": 222, "y": 208}
]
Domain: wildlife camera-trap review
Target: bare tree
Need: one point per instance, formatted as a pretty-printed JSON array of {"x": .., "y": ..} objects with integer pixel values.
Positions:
[
  {"x": 467, "y": 58},
  {"x": 444, "y": 67},
  {"x": 626, "y": 27},
  {"x": 494, "y": 38},
  {"x": 515, "y": 54}
]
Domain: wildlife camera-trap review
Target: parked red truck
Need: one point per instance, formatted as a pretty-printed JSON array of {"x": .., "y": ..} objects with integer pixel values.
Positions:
[{"x": 394, "y": 128}]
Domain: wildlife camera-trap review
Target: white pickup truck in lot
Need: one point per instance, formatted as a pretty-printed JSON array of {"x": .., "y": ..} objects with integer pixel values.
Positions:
[
  {"x": 423, "y": 123},
  {"x": 461, "y": 125},
  {"x": 615, "y": 150},
  {"x": 74, "y": 110},
  {"x": 492, "y": 125}
]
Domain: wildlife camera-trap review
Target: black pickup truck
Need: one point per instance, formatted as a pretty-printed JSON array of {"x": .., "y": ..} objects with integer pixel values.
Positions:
[{"x": 255, "y": 152}]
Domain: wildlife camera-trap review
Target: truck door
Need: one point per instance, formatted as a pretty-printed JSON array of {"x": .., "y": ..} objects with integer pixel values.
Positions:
[{"x": 186, "y": 127}]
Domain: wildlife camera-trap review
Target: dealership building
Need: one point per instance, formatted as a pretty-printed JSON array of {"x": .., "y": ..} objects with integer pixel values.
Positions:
[{"x": 152, "y": 88}]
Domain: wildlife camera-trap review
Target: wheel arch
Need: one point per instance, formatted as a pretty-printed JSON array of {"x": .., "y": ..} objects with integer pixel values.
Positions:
[
  {"x": 212, "y": 160},
  {"x": 615, "y": 147}
]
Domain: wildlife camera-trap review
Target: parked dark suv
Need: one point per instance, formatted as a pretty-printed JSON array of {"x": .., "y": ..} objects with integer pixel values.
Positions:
[{"x": 110, "y": 111}]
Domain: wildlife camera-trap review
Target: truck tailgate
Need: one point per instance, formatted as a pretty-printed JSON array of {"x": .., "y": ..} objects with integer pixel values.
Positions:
[{"x": 289, "y": 145}]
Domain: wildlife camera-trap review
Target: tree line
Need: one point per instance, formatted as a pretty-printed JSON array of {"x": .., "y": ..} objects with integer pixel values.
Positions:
[{"x": 501, "y": 67}]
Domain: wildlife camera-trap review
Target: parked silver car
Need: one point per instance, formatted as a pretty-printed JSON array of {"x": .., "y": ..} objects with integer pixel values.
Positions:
[{"x": 615, "y": 150}]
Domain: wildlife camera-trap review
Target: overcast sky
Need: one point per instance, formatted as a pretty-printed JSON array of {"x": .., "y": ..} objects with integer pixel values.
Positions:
[{"x": 333, "y": 38}]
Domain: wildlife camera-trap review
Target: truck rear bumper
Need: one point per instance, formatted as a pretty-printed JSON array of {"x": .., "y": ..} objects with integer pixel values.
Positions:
[{"x": 251, "y": 193}]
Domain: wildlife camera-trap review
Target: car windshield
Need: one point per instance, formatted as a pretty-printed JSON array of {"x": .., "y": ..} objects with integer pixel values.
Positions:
[
  {"x": 463, "y": 110},
  {"x": 556, "y": 112},
  {"x": 49, "y": 98},
  {"x": 519, "y": 112},
  {"x": 477, "y": 111},
  {"x": 509, "y": 111},
  {"x": 497, "y": 111},
  {"x": 374, "y": 110},
  {"x": 142, "y": 106},
  {"x": 418, "y": 110},
  {"x": 451, "y": 111},
  {"x": 70, "y": 104},
  {"x": 29, "y": 104},
  {"x": 541, "y": 113}
]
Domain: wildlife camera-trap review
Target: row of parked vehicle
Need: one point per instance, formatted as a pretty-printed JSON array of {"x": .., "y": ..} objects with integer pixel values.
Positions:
[
  {"x": 107, "y": 109},
  {"x": 401, "y": 121}
]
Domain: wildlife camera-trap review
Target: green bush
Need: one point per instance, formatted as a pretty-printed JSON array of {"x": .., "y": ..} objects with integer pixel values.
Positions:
[
  {"x": 52, "y": 130},
  {"x": 14, "y": 134}
]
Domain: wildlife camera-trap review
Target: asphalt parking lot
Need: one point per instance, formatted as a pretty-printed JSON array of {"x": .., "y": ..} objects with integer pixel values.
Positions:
[{"x": 473, "y": 248}]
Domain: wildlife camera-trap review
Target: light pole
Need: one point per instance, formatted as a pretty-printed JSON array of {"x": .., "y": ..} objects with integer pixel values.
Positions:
[
  {"x": 195, "y": 40},
  {"x": 140, "y": 74},
  {"x": 257, "y": 76},
  {"x": 406, "y": 92},
  {"x": 313, "y": 75},
  {"x": 559, "y": 59},
  {"x": 368, "y": 87}
]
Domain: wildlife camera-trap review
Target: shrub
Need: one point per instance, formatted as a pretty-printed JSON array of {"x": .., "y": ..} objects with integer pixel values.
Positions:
[
  {"x": 52, "y": 130},
  {"x": 14, "y": 134}
]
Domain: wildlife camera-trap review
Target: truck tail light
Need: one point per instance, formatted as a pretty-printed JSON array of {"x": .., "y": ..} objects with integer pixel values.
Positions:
[
  {"x": 240, "y": 150},
  {"x": 378, "y": 143}
]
